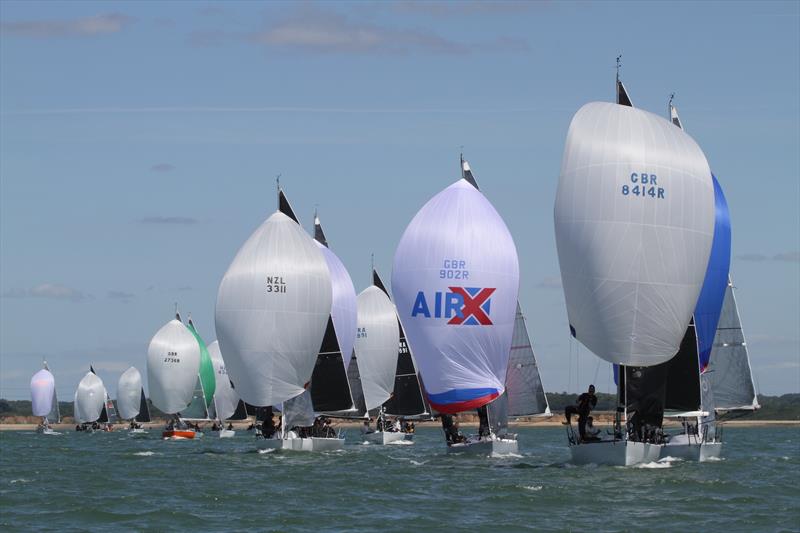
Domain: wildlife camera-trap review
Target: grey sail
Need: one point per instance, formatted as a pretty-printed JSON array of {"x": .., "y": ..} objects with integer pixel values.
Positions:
[
  {"x": 356, "y": 389},
  {"x": 524, "y": 388},
  {"x": 730, "y": 375},
  {"x": 55, "y": 413},
  {"x": 299, "y": 411}
]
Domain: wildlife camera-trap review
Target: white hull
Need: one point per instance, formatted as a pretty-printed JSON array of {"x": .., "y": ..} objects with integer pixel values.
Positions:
[
  {"x": 387, "y": 437},
  {"x": 492, "y": 446},
  {"x": 615, "y": 453},
  {"x": 311, "y": 444},
  {"x": 692, "y": 452},
  {"x": 226, "y": 433}
]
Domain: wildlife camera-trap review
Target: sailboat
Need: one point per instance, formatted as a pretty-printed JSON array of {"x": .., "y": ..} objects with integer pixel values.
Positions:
[
  {"x": 273, "y": 308},
  {"x": 634, "y": 223},
  {"x": 201, "y": 407},
  {"x": 108, "y": 416},
  {"x": 455, "y": 281},
  {"x": 406, "y": 399},
  {"x": 225, "y": 398},
  {"x": 173, "y": 363},
  {"x": 131, "y": 402},
  {"x": 44, "y": 401},
  {"x": 330, "y": 390},
  {"x": 688, "y": 396},
  {"x": 90, "y": 399},
  {"x": 524, "y": 395}
]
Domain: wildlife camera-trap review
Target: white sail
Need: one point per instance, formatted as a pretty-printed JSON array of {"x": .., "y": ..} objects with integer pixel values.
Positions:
[
  {"x": 225, "y": 397},
  {"x": 376, "y": 345},
  {"x": 272, "y": 309},
  {"x": 455, "y": 282},
  {"x": 129, "y": 391},
  {"x": 90, "y": 398},
  {"x": 634, "y": 222},
  {"x": 43, "y": 386},
  {"x": 173, "y": 361}
]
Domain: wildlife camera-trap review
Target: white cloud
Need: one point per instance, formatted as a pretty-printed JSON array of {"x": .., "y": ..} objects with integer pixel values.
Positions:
[
  {"x": 81, "y": 27},
  {"x": 51, "y": 291}
]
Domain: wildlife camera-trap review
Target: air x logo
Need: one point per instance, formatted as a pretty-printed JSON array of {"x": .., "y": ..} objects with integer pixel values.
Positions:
[{"x": 476, "y": 307}]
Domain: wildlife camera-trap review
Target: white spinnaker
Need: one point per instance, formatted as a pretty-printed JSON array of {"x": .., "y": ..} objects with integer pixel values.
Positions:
[
  {"x": 129, "y": 392},
  {"x": 43, "y": 384},
  {"x": 272, "y": 309},
  {"x": 343, "y": 307},
  {"x": 632, "y": 265},
  {"x": 376, "y": 345},
  {"x": 89, "y": 398},
  {"x": 458, "y": 242},
  {"x": 225, "y": 397},
  {"x": 173, "y": 363}
]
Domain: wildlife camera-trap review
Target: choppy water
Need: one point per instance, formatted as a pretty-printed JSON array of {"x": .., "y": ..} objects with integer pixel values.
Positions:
[{"x": 93, "y": 482}]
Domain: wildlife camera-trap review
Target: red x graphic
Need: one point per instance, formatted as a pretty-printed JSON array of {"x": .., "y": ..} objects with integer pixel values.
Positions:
[{"x": 472, "y": 306}]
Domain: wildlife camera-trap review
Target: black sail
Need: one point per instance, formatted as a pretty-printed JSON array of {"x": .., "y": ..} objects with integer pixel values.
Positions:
[
  {"x": 330, "y": 390},
  {"x": 144, "y": 409}
]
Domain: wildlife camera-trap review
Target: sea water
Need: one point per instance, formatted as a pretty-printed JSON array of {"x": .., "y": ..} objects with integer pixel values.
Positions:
[{"x": 110, "y": 481}]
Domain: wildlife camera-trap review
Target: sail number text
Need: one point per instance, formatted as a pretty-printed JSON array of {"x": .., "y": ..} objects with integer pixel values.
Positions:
[
  {"x": 361, "y": 333},
  {"x": 644, "y": 185},
  {"x": 172, "y": 357},
  {"x": 454, "y": 269},
  {"x": 276, "y": 284}
]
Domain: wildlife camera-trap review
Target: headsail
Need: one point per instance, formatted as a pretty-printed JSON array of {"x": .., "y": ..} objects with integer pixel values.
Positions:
[
  {"x": 144, "y": 409},
  {"x": 524, "y": 388},
  {"x": 634, "y": 222},
  {"x": 455, "y": 282},
  {"x": 173, "y": 360},
  {"x": 129, "y": 390},
  {"x": 272, "y": 309},
  {"x": 43, "y": 386},
  {"x": 729, "y": 371}
]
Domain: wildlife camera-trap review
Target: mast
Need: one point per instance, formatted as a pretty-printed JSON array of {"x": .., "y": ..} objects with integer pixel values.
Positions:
[{"x": 622, "y": 94}]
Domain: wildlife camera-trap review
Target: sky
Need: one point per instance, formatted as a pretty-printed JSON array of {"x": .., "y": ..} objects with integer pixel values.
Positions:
[{"x": 140, "y": 142}]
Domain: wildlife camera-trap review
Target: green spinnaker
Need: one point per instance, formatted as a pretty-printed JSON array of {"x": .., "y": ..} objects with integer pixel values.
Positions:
[{"x": 206, "y": 368}]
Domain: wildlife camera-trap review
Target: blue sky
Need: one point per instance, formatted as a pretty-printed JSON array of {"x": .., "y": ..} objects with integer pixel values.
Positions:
[{"x": 139, "y": 144}]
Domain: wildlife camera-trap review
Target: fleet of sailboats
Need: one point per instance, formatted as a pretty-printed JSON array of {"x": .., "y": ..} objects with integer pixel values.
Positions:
[{"x": 643, "y": 235}]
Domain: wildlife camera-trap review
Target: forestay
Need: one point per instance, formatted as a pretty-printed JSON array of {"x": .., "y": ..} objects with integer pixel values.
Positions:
[
  {"x": 455, "y": 282},
  {"x": 129, "y": 389},
  {"x": 376, "y": 345},
  {"x": 90, "y": 398},
  {"x": 272, "y": 308},
  {"x": 43, "y": 386},
  {"x": 173, "y": 360},
  {"x": 225, "y": 398},
  {"x": 634, "y": 221}
]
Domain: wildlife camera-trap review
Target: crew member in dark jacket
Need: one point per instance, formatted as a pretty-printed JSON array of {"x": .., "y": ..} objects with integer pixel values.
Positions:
[{"x": 586, "y": 402}]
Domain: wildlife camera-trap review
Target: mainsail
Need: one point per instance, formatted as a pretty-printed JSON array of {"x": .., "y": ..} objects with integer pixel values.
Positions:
[
  {"x": 90, "y": 398},
  {"x": 43, "y": 386},
  {"x": 144, "y": 409},
  {"x": 455, "y": 281},
  {"x": 173, "y": 361},
  {"x": 634, "y": 223},
  {"x": 273, "y": 306},
  {"x": 225, "y": 398},
  {"x": 129, "y": 391},
  {"x": 729, "y": 371}
]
